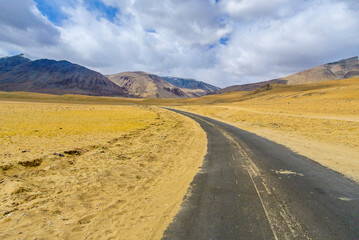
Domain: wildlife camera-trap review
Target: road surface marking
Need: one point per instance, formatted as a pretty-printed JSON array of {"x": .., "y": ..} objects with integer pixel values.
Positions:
[
  {"x": 346, "y": 199},
  {"x": 288, "y": 172}
]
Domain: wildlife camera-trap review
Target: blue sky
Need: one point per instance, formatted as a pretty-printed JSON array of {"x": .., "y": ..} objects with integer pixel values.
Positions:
[
  {"x": 52, "y": 9},
  {"x": 221, "y": 42}
]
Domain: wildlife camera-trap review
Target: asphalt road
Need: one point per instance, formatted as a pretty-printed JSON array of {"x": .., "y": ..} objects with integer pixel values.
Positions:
[{"x": 252, "y": 188}]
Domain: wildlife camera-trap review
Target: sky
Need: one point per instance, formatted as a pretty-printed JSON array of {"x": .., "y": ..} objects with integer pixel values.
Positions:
[{"x": 222, "y": 42}]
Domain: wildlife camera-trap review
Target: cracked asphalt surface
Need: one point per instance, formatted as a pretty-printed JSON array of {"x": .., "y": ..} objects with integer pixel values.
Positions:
[{"x": 252, "y": 188}]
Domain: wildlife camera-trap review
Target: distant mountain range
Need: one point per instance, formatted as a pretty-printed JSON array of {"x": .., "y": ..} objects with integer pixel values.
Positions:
[
  {"x": 190, "y": 83},
  {"x": 146, "y": 85},
  {"x": 345, "y": 68},
  {"x": 18, "y": 73}
]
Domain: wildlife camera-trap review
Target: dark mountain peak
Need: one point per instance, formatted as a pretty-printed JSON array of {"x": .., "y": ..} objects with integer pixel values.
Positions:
[
  {"x": 7, "y": 64},
  {"x": 55, "y": 77},
  {"x": 21, "y": 55},
  {"x": 61, "y": 63},
  {"x": 61, "y": 66}
]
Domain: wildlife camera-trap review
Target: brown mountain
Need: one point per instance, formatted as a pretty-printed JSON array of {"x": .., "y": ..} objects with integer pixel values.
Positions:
[
  {"x": 18, "y": 73},
  {"x": 346, "y": 68},
  {"x": 145, "y": 85}
]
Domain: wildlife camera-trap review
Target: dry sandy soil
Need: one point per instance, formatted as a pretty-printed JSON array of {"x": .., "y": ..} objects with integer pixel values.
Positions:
[
  {"x": 72, "y": 171},
  {"x": 320, "y": 121},
  {"x": 123, "y": 170}
]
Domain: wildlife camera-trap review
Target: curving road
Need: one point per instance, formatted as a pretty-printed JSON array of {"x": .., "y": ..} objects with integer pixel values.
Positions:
[{"x": 252, "y": 188}]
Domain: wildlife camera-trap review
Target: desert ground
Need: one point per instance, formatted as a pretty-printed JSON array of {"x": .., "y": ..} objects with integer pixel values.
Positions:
[
  {"x": 320, "y": 121},
  {"x": 81, "y": 171},
  {"x": 82, "y": 167}
]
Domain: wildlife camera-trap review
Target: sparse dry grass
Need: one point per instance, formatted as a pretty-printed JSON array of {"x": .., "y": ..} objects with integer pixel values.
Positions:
[
  {"x": 118, "y": 171},
  {"x": 319, "y": 120},
  {"x": 34, "y": 130}
]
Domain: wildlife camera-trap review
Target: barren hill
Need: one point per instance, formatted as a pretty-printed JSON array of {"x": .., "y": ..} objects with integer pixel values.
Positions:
[
  {"x": 145, "y": 85},
  {"x": 346, "y": 68},
  {"x": 18, "y": 73}
]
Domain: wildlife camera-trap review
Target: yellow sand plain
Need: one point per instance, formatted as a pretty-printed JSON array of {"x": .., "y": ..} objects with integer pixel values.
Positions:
[
  {"x": 122, "y": 180},
  {"x": 72, "y": 171},
  {"x": 320, "y": 121}
]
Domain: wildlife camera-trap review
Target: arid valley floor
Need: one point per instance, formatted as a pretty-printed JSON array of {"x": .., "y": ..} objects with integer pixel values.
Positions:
[
  {"x": 72, "y": 171},
  {"x": 80, "y": 167}
]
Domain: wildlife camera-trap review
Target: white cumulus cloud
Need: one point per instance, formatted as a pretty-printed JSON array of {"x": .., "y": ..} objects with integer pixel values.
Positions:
[{"x": 221, "y": 42}]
